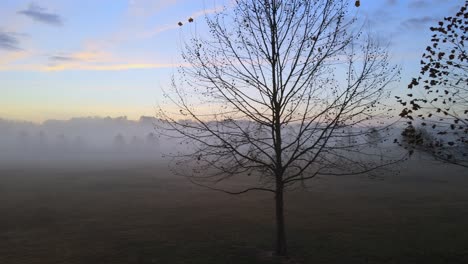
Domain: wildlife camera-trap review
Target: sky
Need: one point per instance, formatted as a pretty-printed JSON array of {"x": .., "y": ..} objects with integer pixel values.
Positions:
[{"x": 64, "y": 58}]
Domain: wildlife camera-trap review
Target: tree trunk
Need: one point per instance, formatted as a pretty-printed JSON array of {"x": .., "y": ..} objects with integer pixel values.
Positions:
[{"x": 281, "y": 247}]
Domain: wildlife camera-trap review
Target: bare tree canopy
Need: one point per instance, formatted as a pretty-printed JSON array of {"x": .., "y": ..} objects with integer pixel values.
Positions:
[
  {"x": 281, "y": 91},
  {"x": 443, "y": 104}
]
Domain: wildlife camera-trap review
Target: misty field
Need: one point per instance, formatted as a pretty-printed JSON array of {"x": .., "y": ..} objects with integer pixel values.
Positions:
[{"x": 140, "y": 213}]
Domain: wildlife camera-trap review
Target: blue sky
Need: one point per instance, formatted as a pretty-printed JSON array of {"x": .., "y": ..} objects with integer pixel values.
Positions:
[{"x": 64, "y": 58}]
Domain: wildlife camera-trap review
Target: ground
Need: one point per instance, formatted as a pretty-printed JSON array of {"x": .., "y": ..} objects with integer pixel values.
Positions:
[{"x": 140, "y": 213}]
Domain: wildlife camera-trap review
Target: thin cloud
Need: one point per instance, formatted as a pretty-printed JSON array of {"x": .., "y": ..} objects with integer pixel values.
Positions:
[
  {"x": 418, "y": 23},
  {"x": 167, "y": 27},
  {"x": 79, "y": 66},
  {"x": 9, "y": 41},
  {"x": 418, "y": 4},
  {"x": 156, "y": 31},
  {"x": 89, "y": 60},
  {"x": 205, "y": 12},
  {"x": 392, "y": 2},
  {"x": 10, "y": 59},
  {"x": 145, "y": 8},
  {"x": 40, "y": 14},
  {"x": 59, "y": 58},
  {"x": 85, "y": 56},
  {"x": 109, "y": 67}
]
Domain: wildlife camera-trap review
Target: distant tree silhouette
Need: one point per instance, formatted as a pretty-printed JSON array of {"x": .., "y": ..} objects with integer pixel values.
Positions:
[
  {"x": 150, "y": 137},
  {"x": 119, "y": 141},
  {"x": 374, "y": 136},
  {"x": 24, "y": 140},
  {"x": 418, "y": 139},
  {"x": 443, "y": 104},
  {"x": 62, "y": 141},
  {"x": 151, "y": 140},
  {"x": 23, "y": 135},
  {"x": 137, "y": 143},
  {"x": 42, "y": 138},
  {"x": 276, "y": 108},
  {"x": 79, "y": 143}
]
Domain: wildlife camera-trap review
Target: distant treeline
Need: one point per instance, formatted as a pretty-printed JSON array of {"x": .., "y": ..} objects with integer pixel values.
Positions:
[{"x": 78, "y": 135}]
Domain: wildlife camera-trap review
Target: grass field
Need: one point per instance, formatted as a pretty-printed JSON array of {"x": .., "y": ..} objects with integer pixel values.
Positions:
[{"x": 140, "y": 213}]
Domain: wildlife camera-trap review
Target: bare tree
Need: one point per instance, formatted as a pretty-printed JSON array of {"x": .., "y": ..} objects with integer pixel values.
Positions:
[
  {"x": 270, "y": 93},
  {"x": 443, "y": 104},
  {"x": 119, "y": 141}
]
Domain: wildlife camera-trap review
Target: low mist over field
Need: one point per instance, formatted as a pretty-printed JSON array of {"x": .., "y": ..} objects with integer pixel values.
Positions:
[
  {"x": 99, "y": 139},
  {"x": 80, "y": 139}
]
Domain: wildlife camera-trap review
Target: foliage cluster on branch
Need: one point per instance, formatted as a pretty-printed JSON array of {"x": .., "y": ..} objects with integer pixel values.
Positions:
[{"x": 442, "y": 104}]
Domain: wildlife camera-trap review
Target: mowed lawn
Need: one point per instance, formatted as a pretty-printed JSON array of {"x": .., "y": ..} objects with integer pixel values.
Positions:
[{"x": 140, "y": 213}]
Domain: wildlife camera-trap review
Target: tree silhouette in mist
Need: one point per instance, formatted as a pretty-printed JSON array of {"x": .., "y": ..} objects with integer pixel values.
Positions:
[{"x": 272, "y": 93}]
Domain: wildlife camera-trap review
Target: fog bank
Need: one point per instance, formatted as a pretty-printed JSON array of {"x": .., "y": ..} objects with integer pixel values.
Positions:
[
  {"x": 96, "y": 139},
  {"x": 79, "y": 139}
]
